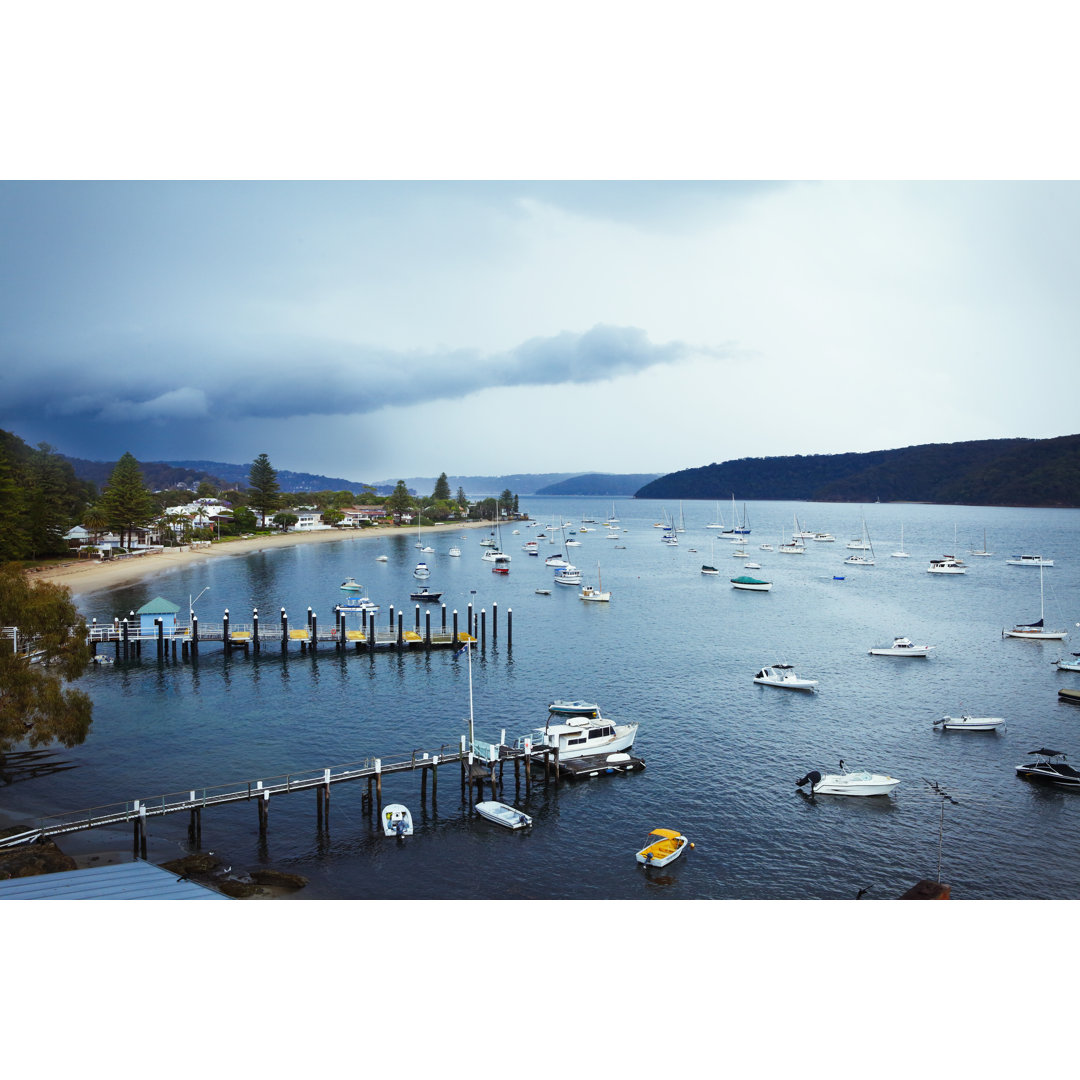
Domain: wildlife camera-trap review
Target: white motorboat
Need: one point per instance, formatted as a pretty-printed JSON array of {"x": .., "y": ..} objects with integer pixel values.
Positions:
[
  {"x": 354, "y": 604},
  {"x": 970, "y": 723},
  {"x": 454, "y": 552},
  {"x": 1036, "y": 631},
  {"x": 351, "y": 585},
  {"x": 577, "y": 729},
  {"x": 793, "y": 548},
  {"x": 848, "y": 783},
  {"x": 568, "y": 575},
  {"x": 381, "y": 558},
  {"x": 783, "y": 675},
  {"x": 502, "y": 814},
  {"x": 421, "y": 570},
  {"x": 396, "y": 820},
  {"x": 752, "y": 566},
  {"x": 946, "y": 565},
  {"x": 495, "y": 556},
  {"x": 902, "y": 646},
  {"x": 858, "y": 560},
  {"x": 824, "y": 538},
  {"x": 1028, "y": 560},
  {"x": 531, "y": 547},
  {"x": 1068, "y": 665},
  {"x": 751, "y": 584},
  {"x": 556, "y": 560}
]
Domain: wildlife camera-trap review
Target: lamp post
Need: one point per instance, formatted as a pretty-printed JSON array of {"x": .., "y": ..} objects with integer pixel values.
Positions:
[{"x": 191, "y": 604}]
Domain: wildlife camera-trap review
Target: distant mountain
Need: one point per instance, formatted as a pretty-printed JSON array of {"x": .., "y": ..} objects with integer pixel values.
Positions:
[
  {"x": 477, "y": 487},
  {"x": 990, "y": 472},
  {"x": 160, "y": 475},
  {"x": 599, "y": 484}
]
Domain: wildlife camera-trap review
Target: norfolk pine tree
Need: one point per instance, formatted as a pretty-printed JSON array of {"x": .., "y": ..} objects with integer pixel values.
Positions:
[{"x": 263, "y": 490}]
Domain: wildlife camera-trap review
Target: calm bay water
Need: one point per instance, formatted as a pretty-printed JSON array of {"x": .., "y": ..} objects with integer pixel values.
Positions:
[{"x": 675, "y": 651}]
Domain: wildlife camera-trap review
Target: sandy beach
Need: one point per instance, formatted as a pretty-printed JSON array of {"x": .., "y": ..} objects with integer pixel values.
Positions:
[{"x": 90, "y": 575}]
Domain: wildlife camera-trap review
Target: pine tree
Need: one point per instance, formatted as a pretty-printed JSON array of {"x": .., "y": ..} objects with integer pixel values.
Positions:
[
  {"x": 13, "y": 537},
  {"x": 263, "y": 491},
  {"x": 126, "y": 499},
  {"x": 399, "y": 501},
  {"x": 442, "y": 489}
]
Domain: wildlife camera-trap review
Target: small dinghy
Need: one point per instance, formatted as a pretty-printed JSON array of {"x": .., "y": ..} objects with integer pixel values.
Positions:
[
  {"x": 970, "y": 723},
  {"x": 662, "y": 846},
  {"x": 396, "y": 820},
  {"x": 502, "y": 814}
]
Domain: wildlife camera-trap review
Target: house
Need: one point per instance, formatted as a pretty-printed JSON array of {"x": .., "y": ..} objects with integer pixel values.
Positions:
[
  {"x": 355, "y": 516},
  {"x": 150, "y": 612}
]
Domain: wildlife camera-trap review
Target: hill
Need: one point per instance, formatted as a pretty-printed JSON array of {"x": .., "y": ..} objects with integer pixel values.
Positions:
[
  {"x": 599, "y": 484},
  {"x": 990, "y": 472},
  {"x": 479, "y": 486}
]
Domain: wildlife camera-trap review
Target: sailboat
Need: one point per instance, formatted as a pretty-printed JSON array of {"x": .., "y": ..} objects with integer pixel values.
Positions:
[
  {"x": 419, "y": 542},
  {"x": 706, "y": 568},
  {"x": 496, "y": 554},
  {"x": 719, "y": 522},
  {"x": 861, "y": 560},
  {"x": 596, "y": 595},
  {"x": 1036, "y": 631},
  {"x": 984, "y": 551},
  {"x": 901, "y": 554},
  {"x": 682, "y": 523}
]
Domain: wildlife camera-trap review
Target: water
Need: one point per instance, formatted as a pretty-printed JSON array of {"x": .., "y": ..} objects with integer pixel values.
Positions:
[{"x": 675, "y": 651}]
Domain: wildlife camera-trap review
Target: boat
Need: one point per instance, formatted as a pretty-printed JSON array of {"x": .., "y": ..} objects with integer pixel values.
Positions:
[
  {"x": 662, "y": 846},
  {"x": 901, "y": 554},
  {"x": 543, "y": 592},
  {"x": 752, "y": 566},
  {"x": 983, "y": 552},
  {"x": 902, "y": 646},
  {"x": 751, "y": 584},
  {"x": 792, "y": 547},
  {"x": 556, "y": 560},
  {"x": 1036, "y": 631},
  {"x": 531, "y": 547},
  {"x": 858, "y": 560},
  {"x": 396, "y": 820},
  {"x": 380, "y": 558},
  {"x": 421, "y": 570},
  {"x": 426, "y": 595},
  {"x": 719, "y": 522},
  {"x": 866, "y": 545},
  {"x": 970, "y": 723},
  {"x": 1068, "y": 665},
  {"x": 596, "y": 595},
  {"x": 354, "y": 604},
  {"x": 351, "y": 585},
  {"x": 577, "y": 729},
  {"x": 766, "y": 547},
  {"x": 500, "y": 568},
  {"x": 799, "y": 533},
  {"x": 824, "y": 538},
  {"x": 783, "y": 675},
  {"x": 1028, "y": 560},
  {"x": 741, "y": 528},
  {"x": 568, "y": 575},
  {"x": 1049, "y": 770},
  {"x": 1072, "y": 697},
  {"x": 848, "y": 783},
  {"x": 494, "y": 551},
  {"x": 502, "y": 814},
  {"x": 454, "y": 553},
  {"x": 946, "y": 565}
]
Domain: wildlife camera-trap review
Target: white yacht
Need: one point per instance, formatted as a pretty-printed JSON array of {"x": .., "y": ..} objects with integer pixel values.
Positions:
[
  {"x": 578, "y": 730},
  {"x": 783, "y": 675},
  {"x": 848, "y": 783},
  {"x": 902, "y": 646}
]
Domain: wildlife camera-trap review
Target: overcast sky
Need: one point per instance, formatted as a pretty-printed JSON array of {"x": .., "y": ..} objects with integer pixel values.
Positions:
[{"x": 380, "y": 329}]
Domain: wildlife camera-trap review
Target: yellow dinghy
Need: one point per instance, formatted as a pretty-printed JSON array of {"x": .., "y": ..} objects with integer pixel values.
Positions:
[{"x": 661, "y": 847}]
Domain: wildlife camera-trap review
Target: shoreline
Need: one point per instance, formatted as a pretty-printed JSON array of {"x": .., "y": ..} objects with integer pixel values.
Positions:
[{"x": 83, "y": 577}]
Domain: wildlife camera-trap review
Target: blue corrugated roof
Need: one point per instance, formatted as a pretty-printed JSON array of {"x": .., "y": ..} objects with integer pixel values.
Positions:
[
  {"x": 121, "y": 881},
  {"x": 158, "y": 606}
]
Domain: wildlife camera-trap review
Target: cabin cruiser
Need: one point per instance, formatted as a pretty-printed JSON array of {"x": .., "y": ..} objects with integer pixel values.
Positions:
[
  {"x": 1049, "y": 770},
  {"x": 783, "y": 675},
  {"x": 577, "y": 729},
  {"x": 848, "y": 783},
  {"x": 1028, "y": 560},
  {"x": 902, "y": 646},
  {"x": 568, "y": 575},
  {"x": 421, "y": 571},
  {"x": 946, "y": 565}
]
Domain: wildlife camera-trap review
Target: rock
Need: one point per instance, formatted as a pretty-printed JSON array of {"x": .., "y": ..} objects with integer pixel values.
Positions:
[
  {"x": 40, "y": 857},
  {"x": 197, "y": 865},
  {"x": 278, "y": 879},
  {"x": 238, "y": 890}
]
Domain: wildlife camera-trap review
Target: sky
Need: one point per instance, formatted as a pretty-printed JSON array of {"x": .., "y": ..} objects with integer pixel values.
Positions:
[{"x": 379, "y": 322}]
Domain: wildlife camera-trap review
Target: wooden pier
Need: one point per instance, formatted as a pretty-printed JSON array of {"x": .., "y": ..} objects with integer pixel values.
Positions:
[
  {"x": 350, "y": 627},
  {"x": 481, "y": 768}
]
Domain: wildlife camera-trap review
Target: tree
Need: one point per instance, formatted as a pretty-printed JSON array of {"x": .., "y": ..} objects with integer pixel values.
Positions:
[
  {"x": 244, "y": 519},
  {"x": 442, "y": 489},
  {"x": 264, "y": 494},
  {"x": 96, "y": 522},
  {"x": 14, "y": 542},
  {"x": 285, "y": 520},
  {"x": 126, "y": 499},
  {"x": 399, "y": 501},
  {"x": 34, "y": 705},
  {"x": 462, "y": 498}
]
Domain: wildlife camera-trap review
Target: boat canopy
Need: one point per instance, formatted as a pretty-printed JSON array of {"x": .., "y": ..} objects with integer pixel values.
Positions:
[{"x": 667, "y": 834}]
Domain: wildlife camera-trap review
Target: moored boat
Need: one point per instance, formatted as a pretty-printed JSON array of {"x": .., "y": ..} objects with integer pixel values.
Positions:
[
  {"x": 848, "y": 783},
  {"x": 421, "y": 570},
  {"x": 1028, "y": 560},
  {"x": 1048, "y": 769},
  {"x": 662, "y": 846},
  {"x": 751, "y": 584},
  {"x": 1036, "y": 631},
  {"x": 902, "y": 646},
  {"x": 577, "y": 729},
  {"x": 783, "y": 675},
  {"x": 396, "y": 820},
  {"x": 426, "y": 595},
  {"x": 946, "y": 565},
  {"x": 970, "y": 723},
  {"x": 502, "y": 814},
  {"x": 350, "y": 584}
]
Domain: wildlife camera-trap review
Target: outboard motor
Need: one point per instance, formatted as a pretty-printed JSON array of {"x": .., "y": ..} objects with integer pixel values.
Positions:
[{"x": 811, "y": 778}]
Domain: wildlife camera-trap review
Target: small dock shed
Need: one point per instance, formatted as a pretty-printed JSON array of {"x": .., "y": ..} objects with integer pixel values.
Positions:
[{"x": 155, "y": 609}]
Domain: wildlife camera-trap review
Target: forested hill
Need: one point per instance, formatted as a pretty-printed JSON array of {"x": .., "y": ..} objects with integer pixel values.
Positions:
[
  {"x": 990, "y": 472},
  {"x": 599, "y": 484}
]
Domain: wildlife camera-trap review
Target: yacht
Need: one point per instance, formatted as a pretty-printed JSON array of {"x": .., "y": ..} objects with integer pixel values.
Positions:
[
  {"x": 568, "y": 575},
  {"x": 902, "y": 646},
  {"x": 946, "y": 565},
  {"x": 1028, "y": 560},
  {"x": 577, "y": 729}
]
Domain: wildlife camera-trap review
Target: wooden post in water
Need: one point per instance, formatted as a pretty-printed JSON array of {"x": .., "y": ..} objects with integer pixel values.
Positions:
[
  {"x": 391, "y": 617},
  {"x": 462, "y": 755},
  {"x": 194, "y": 636},
  {"x": 494, "y": 622},
  {"x": 469, "y": 618},
  {"x": 159, "y": 631},
  {"x": 225, "y": 632},
  {"x": 483, "y": 629},
  {"x": 378, "y": 783},
  {"x": 125, "y": 639},
  {"x": 434, "y": 778},
  {"x": 255, "y": 629},
  {"x": 264, "y": 811},
  {"x": 444, "y": 616},
  {"x": 326, "y": 796},
  {"x": 309, "y": 617},
  {"x": 401, "y": 629},
  {"x": 284, "y": 631},
  {"x": 509, "y": 627},
  {"x": 456, "y": 637},
  {"x": 418, "y": 619},
  {"x": 142, "y": 832},
  {"x": 314, "y": 629}
]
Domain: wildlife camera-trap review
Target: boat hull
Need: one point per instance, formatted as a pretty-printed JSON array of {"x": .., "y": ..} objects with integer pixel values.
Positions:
[
  {"x": 970, "y": 723},
  {"x": 855, "y": 784}
]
